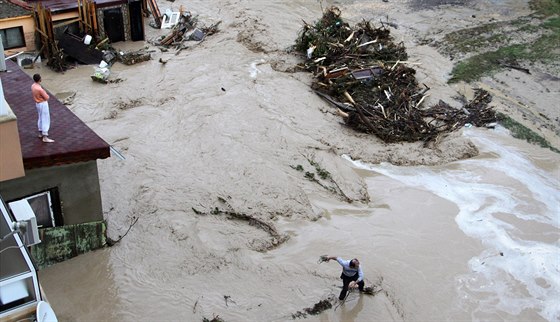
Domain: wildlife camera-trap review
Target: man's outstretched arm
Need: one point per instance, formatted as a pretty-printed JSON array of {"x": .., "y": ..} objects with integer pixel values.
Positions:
[{"x": 336, "y": 258}]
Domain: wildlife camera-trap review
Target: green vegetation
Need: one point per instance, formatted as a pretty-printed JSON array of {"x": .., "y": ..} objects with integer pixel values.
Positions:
[
  {"x": 520, "y": 131},
  {"x": 544, "y": 48},
  {"x": 546, "y": 7},
  {"x": 328, "y": 182},
  {"x": 299, "y": 167},
  {"x": 323, "y": 174},
  {"x": 496, "y": 42}
]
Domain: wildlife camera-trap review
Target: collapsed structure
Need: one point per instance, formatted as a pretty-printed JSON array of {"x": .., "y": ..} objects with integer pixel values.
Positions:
[{"x": 362, "y": 72}]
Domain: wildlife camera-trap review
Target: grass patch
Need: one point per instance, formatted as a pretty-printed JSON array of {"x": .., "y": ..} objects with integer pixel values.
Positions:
[
  {"x": 495, "y": 43},
  {"x": 552, "y": 23},
  {"x": 545, "y": 7},
  {"x": 522, "y": 132},
  {"x": 489, "y": 36},
  {"x": 544, "y": 49},
  {"x": 472, "y": 39}
]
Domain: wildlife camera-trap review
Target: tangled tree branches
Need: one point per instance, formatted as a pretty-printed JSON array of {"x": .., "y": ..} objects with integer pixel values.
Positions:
[{"x": 364, "y": 73}]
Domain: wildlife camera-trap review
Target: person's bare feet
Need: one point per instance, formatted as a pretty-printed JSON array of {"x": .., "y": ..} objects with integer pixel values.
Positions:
[{"x": 47, "y": 140}]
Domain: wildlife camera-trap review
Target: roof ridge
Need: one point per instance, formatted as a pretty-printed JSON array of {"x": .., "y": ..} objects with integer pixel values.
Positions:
[{"x": 22, "y": 4}]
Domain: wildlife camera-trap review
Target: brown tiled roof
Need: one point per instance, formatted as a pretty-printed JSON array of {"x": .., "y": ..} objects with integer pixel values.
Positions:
[
  {"x": 75, "y": 141},
  {"x": 11, "y": 10}
]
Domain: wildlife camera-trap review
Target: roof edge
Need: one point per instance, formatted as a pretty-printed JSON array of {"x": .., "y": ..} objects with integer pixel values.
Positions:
[{"x": 66, "y": 158}]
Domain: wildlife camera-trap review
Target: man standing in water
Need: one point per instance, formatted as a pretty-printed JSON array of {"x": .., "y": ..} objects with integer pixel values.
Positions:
[
  {"x": 352, "y": 275},
  {"x": 41, "y": 102}
]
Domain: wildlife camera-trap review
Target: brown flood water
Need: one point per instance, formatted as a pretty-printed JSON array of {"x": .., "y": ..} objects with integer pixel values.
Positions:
[
  {"x": 411, "y": 241},
  {"x": 430, "y": 238}
]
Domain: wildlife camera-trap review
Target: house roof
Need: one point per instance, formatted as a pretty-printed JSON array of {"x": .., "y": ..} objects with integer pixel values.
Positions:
[
  {"x": 62, "y": 5},
  {"x": 75, "y": 141},
  {"x": 9, "y": 9}
]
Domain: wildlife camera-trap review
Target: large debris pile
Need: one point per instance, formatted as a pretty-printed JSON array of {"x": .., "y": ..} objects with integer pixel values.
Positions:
[{"x": 365, "y": 74}]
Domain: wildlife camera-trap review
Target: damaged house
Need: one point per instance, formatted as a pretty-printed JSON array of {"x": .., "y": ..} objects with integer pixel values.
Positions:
[
  {"x": 118, "y": 20},
  {"x": 61, "y": 28}
]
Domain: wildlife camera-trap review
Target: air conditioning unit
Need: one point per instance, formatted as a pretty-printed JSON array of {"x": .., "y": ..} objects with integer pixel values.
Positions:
[
  {"x": 27, "y": 59},
  {"x": 25, "y": 222}
]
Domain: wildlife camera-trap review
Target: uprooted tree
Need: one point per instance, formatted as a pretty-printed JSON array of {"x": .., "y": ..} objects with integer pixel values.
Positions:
[{"x": 362, "y": 72}]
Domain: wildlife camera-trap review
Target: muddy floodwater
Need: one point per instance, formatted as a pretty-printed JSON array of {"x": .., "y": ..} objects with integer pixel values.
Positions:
[
  {"x": 224, "y": 125},
  {"x": 471, "y": 240}
]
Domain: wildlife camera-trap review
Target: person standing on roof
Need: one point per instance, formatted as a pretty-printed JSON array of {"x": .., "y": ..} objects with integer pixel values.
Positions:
[
  {"x": 41, "y": 102},
  {"x": 352, "y": 275}
]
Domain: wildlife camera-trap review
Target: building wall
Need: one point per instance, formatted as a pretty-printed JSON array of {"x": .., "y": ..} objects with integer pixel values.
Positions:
[
  {"x": 11, "y": 165},
  {"x": 28, "y": 24},
  {"x": 78, "y": 187},
  {"x": 126, "y": 20},
  {"x": 64, "y": 16}
]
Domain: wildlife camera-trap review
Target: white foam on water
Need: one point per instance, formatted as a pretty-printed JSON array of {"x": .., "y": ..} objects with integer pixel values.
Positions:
[{"x": 514, "y": 273}]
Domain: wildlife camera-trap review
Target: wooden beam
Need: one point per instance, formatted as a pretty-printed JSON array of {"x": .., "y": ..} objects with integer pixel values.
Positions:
[
  {"x": 155, "y": 11},
  {"x": 41, "y": 29},
  {"x": 48, "y": 23},
  {"x": 42, "y": 33},
  {"x": 93, "y": 17},
  {"x": 61, "y": 24},
  {"x": 81, "y": 15}
]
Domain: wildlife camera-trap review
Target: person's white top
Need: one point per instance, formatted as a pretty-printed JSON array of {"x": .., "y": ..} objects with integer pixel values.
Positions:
[{"x": 349, "y": 271}]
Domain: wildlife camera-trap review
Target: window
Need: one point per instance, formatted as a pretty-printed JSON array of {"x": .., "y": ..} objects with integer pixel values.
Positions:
[
  {"x": 42, "y": 207},
  {"x": 12, "y": 37},
  {"x": 46, "y": 207}
]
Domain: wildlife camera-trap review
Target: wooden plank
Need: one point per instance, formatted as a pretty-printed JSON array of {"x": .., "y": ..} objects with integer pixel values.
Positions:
[
  {"x": 42, "y": 28},
  {"x": 48, "y": 23},
  {"x": 85, "y": 9},
  {"x": 41, "y": 20},
  {"x": 39, "y": 53},
  {"x": 155, "y": 11},
  {"x": 81, "y": 15},
  {"x": 61, "y": 24},
  {"x": 42, "y": 33},
  {"x": 44, "y": 37},
  {"x": 85, "y": 17},
  {"x": 93, "y": 17}
]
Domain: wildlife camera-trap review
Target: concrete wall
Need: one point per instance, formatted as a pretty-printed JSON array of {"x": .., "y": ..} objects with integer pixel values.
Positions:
[
  {"x": 28, "y": 25},
  {"x": 78, "y": 187},
  {"x": 11, "y": 164}
]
